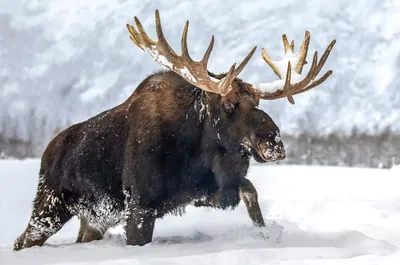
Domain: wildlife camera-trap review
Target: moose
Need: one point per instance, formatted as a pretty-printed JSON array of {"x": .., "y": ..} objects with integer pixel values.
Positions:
[{"x": 184, "y": 137}]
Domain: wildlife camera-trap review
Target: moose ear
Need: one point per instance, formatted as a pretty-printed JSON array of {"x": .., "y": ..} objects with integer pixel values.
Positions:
[{"x": 228, "y": 106}]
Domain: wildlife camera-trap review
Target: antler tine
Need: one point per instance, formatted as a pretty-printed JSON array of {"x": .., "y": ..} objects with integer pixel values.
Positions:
[
  {"x": 269, "y": 61},
  {"x": 206, "y": 56},
  {"x": 303, "y": 52},
  {"x": 287, "y": 86},
  {"x": 325, "y": 56},
  {"x": 244, "y": 62},
  {"x": 161, "y": 38},
  {"x": 142, "y": 33},
  {"x": 185, "y": 51},
  {"x": 288, "y": 47},
  {"x": 315, "y": 83},
  {"x": 225, "y": 83},
  {"x": 233, "y": 73},
  {"x": 134, "y": 36}
]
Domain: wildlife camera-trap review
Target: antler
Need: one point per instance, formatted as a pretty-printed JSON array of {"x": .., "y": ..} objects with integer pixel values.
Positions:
[
  {"x": 192, "y": 71},
  {"x": 278, "y": 89}
]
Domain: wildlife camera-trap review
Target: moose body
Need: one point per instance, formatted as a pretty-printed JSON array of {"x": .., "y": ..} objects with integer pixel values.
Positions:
[
  {"x": 172, "y": 143},
  {"x": 162, "y": 149}
]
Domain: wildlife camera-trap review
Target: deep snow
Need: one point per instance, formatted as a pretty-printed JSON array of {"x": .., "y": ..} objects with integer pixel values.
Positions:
[{"x": 316, "y": 215}]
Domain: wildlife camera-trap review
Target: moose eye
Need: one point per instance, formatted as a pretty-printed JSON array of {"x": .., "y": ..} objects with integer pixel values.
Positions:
[{"x": 229, "y": 106}]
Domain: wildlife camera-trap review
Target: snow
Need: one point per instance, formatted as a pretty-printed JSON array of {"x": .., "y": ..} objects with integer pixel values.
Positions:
[
  {"x": 157, "y": 57},
  {"x": 47, "y": 45},
  {"x": 315, "y": 215},
  {"x": 155, "y": 54},
  {"x": 282, "y": 66},
  {"x": 186, "y": 74}
]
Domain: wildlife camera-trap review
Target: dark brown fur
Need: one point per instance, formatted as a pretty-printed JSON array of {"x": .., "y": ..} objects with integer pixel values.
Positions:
[{"x": 168, "y": 145}]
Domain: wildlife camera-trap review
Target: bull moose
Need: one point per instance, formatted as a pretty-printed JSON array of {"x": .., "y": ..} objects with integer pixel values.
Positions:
[{"x": 184, "y": 137}]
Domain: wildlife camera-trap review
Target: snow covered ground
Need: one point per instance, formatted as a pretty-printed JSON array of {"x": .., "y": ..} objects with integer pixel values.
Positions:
[{"x": 316, "y": 215}]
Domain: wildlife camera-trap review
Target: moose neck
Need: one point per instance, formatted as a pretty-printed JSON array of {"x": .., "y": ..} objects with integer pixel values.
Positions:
[{"x": 215, "y": 123}]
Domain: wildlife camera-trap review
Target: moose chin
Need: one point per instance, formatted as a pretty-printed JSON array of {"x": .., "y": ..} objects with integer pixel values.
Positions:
[{"x": 185, "y": 136}]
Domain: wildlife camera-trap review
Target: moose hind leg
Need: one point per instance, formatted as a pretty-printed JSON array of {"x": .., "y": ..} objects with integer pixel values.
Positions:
[
  {"x": 48, "y": 216},
  {"x": 82, "y": 228},
  {"x": 88, "y": 233}
]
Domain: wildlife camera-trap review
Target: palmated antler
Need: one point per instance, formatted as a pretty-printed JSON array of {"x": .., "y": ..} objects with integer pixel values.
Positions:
[
  {"x": 195, "y": 72},
  {"x": 307, "y": 83}
]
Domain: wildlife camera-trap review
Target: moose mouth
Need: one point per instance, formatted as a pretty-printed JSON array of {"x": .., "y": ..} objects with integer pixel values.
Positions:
[{"x": 266, "y": 151}]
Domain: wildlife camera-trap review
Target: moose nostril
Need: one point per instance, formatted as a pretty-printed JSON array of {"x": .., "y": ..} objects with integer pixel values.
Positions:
[{"x": 282, "y": 153}]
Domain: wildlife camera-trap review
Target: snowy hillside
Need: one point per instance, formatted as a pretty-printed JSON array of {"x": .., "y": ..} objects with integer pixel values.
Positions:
[
  {"x": 316, "y": 215},
  {"x": 63, "y": 61}
]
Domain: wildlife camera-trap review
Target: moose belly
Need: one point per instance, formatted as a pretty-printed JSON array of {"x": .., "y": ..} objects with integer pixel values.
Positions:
[
  {"x": 101, "y": 212},
  {"x": 189, "y": 189}
]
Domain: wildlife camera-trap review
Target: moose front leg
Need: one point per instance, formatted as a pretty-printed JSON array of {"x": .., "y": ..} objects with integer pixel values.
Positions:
[
  {"x": 228, "y": 177},
  {"x": 139, "y": 220},
  {"x": 233, "y": 186},
  {"x": 249, "y": 196},
  {"x": 139, "y": 225}
]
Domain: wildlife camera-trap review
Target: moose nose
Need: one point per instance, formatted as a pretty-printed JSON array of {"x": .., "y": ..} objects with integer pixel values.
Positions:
[{"x": 282, "y": 153}]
